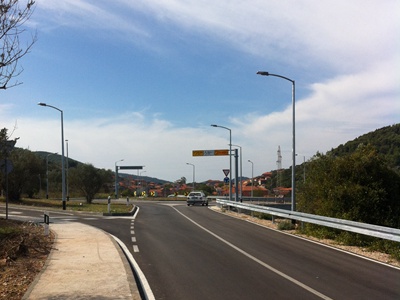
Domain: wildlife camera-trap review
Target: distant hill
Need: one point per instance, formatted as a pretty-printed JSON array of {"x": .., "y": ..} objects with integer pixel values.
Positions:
[
  {"x": 386, "y": 140},
  {"x": 145, "y": 178},
  {"x": 54, "y": 158}
]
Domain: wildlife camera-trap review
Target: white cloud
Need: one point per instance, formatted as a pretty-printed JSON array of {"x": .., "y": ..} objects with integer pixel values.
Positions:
[{"x": 341, "y": 34}]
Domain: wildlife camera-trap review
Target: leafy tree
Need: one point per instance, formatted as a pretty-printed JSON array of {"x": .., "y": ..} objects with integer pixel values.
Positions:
[
  {"x": 24, "y": 178},
  {"x": 88, "y": 179},
  {"x": 358, "y": 187},
  {"x": 182, "y": 180},
  {"x": 13, "y": 15}
]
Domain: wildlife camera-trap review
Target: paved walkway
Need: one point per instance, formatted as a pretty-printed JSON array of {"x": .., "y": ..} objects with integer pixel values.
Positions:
[{"x": 85, "y": 263}]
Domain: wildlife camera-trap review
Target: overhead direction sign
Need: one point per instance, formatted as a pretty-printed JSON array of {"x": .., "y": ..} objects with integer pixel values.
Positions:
[
  {"x": 130, "y": 167},
  {"x": 219, "y": 152}
]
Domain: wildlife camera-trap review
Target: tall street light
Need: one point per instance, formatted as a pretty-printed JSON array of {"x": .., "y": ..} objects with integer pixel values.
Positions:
[
  {"x": 252, "y": 176},
  {"x": 116, "y": 177},
  {"x": 293, "y": 134},
  {"x": 230, "y": 158},
  {"x": 193, "y": 174},
  {"x": 47, "y": 174},
  {"x": 241, "y": 177},
  {"x": 67, "y": 171},
  {"x": 62, "y": 152}
]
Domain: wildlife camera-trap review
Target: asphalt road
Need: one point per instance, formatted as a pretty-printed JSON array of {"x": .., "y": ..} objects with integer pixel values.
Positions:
[{"x": 196, "y": 253}]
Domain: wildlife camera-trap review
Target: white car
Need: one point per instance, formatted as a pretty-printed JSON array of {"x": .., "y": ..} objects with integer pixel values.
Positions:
[{"x": 197, "y": 197}]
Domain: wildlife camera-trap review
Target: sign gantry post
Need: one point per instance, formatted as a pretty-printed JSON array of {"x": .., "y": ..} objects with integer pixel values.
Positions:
[{"x": 123, "y": 168}]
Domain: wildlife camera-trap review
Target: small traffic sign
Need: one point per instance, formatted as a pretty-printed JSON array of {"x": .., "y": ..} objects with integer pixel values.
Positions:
[
  {"x": 226, "y": 179},
  {"x": 226, "y": 171}
]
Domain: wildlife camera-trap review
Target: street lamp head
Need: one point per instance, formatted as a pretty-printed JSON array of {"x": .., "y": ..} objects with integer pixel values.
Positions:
[
  {"x": 263, "y": 73},
  {"x": 42, "y": 104},
  {"x": 214, "y": 125}
]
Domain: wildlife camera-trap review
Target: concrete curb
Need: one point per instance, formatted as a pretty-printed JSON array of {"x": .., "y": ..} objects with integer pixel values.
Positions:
[{"x": 131, "y": 213}]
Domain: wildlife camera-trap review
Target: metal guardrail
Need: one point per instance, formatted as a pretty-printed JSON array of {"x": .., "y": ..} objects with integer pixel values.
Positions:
[{"x": 383, "y": 232}]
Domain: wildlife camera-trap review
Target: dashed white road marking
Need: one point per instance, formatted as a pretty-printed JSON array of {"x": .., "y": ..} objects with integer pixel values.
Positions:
[{"x": 135, "y": 247}]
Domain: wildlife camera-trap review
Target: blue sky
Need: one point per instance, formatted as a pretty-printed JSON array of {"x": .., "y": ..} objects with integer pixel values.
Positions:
[{"x": 144, "y": 80}]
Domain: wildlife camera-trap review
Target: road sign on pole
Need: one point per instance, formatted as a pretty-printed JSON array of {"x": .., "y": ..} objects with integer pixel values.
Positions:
[
  {"x": 226, "y": 172},
  {"x": 219, "y": 152}
]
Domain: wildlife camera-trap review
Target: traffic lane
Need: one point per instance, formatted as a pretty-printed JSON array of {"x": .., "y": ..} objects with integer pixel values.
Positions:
[
  {"x": 182, "y": 261},
  {"x": 332, "y": 272}
]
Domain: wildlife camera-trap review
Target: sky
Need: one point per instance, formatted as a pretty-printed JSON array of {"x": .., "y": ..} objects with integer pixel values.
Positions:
[{"x": 143, "y": 81}]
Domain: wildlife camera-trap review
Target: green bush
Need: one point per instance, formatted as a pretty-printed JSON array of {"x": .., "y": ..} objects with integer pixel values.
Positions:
[{"x": 286, "y": 225}]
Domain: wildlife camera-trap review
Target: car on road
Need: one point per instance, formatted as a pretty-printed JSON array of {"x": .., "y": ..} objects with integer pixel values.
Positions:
[{"x": 197, "y": 197}]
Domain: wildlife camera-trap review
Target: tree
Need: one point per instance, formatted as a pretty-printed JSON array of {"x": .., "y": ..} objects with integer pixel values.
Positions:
[
  {"x": 88, "y": 179},
  {"x": 24, "y": 178},
  {"x": 358, "y": 187},
  {"x": 181, "y": 181},
  {"x": 13, "y": 15}
]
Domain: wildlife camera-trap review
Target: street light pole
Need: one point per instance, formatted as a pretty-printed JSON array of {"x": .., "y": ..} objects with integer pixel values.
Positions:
[
  {"x": 252, "y": 176},
  {"x": 193, "y": 174},
  {"x": 67, "y": 172},
  {"x": 241, "y": 177},
  {"x": 116, "y": 177},
  {"x": 62, "y": 153},
  {"x": 230, "y": 158},
  {"x": 263, "y": 73}
]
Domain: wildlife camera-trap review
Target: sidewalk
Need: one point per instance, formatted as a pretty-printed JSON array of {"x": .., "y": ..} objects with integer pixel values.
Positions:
[{"x": 85, "y": 263}]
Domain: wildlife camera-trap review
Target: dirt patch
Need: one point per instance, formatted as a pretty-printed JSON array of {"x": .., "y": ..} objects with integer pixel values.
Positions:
[
  {"x": 23, "y": 252},
  {"x": 374, "y": 255}
]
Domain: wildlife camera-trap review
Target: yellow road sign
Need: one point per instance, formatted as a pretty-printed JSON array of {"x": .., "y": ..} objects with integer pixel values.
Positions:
[
  {"x": 210, "y": 152},
  {"x": 221, "y": 152}
]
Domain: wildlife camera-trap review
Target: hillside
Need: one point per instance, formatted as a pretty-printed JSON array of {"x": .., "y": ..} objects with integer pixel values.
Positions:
[{"x": 386, "y": 140}]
